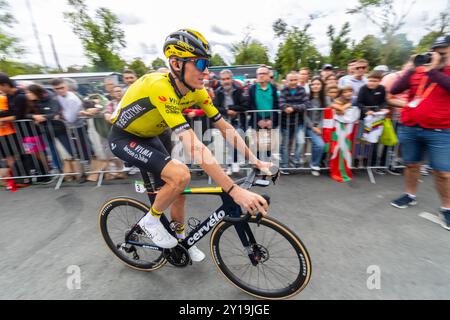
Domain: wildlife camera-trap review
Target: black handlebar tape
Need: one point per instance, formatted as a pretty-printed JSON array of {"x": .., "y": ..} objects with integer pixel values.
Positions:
[
  {"x": 237, "y": 220},
  {"x": 265, "y": 196}
]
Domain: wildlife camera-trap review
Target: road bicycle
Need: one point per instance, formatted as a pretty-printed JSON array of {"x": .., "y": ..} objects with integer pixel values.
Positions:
[{"x": 258, "y": 254}]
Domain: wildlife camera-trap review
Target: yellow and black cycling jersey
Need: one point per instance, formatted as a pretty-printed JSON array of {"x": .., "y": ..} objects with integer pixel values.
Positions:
[{"x": 153, "y": 103}]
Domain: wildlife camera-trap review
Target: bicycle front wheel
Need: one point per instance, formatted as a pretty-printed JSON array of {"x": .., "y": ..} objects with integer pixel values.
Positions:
[
  {"x": 116, "y": 219},
  {"x": 275, "y": 266}
]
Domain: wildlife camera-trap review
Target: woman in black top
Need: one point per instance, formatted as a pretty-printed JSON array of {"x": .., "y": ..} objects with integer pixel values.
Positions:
[{"x": 45, "y": 110}]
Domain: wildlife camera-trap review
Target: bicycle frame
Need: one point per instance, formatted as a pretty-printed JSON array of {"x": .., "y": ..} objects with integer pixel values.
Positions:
[{"x": 228, "y": 209}]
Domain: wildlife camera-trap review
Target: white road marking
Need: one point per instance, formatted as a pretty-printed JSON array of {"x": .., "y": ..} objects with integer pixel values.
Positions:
[{"x": 431, "y": 217}]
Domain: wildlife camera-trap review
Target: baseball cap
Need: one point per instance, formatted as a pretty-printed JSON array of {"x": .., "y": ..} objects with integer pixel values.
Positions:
[
  {"x": 381, "y": 68},
  {"x": 442, "y": 41},
  {"x": 327, "y": 66}
]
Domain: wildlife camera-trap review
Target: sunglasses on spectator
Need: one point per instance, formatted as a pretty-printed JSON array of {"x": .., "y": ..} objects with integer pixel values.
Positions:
[{"x": 201, "y": 64}]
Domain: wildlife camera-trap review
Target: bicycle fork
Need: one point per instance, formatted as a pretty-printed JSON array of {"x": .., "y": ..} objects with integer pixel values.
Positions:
[{"x": 247, "y": 238}]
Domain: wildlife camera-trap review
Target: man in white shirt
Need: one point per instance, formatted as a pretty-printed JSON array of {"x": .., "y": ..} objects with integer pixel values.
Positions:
[
  {"x": 72, "y": 107},
  {"x": 70, "y": 103},
  {"x": 357, "y": 80},
  {"x": 303, "y": 80},
  {"x": 350, "y": 72}
]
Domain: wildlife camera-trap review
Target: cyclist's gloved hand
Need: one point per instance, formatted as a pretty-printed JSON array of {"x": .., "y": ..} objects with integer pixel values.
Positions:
[{"x": 253, "y": 203}]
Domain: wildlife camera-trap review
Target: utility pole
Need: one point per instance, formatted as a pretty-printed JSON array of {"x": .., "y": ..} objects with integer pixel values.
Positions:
[
  {"x": 55, "y": 54},
  {"x": 36, "y": 35}
]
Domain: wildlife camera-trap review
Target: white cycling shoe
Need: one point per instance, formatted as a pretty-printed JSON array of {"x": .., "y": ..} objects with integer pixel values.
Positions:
[
  {"x": 159, "y": 235},
  {"x": 196, "y": 254}
]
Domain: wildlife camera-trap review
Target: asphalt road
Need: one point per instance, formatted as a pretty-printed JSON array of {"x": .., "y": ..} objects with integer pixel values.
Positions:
[{"x": 348, "y": 229}]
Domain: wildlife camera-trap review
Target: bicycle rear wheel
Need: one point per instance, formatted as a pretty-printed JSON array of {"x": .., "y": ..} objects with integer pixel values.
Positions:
[
  {"x": 281, "y": 266},
  {"x": 116, "y": 219}
]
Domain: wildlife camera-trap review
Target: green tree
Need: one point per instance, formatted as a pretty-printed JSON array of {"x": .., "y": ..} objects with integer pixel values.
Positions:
[
  {"x": 159, "y": 63},
  {"x": 370, "y": 49},
  {"x": 400, "y": 52},
  {"x": 280, "y": 27},
  {"x": 217, "y": 61},
  {"x": 384, "y": 15},
  {"x": 138, "y": 66},
  {"x": 14, "y": 68},
  {"x": 426, "y": 42},
  {"x": 250, "y": 51},
  {"x": 101, "y": 35},
  {"x": 9, "y": 45},
  {"x": 78, "y": 69},
  {"x": 297, "y": 50},
  {"x": 441, "y": 24},
  {"x": 438, "y": 27},
  {"x": 340, "y": 51}
]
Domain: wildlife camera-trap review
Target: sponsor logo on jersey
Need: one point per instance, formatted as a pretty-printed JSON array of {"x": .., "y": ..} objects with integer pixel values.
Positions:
[
  {"x": 163, "y": 99},
  {"x": 133, "y": 144},
  {"x": 172, "y": 109},
  {"x": 206, "y": 102},
  {"x": 132, "y": 112},
  {"x": 113, "y": 146}
]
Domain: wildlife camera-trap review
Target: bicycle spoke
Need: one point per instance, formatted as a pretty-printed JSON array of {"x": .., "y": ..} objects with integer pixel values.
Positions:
[
  {"x": 276, "y": 276},
  {"x": 233, "y": 243},
  {"x": 277, "y": 242},
  {"x": 234, "y": 250},
  {"x": 290, "y": 258},
  {"x": 121, "y": 218},
  {"x": 276, "y": 272},
  {"x": 245, "y": 270},
  {"x": 283, "y": 267},
  {"x": 265, "y": 277}
]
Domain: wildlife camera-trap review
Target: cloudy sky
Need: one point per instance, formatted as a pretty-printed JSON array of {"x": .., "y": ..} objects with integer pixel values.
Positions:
[{"x": 146, "y": 23}]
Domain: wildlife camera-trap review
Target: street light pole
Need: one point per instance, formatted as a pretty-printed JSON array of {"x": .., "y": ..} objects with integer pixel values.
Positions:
[
  {"x": 55, "y": 54},
  {"x": 36, "y": 35}
]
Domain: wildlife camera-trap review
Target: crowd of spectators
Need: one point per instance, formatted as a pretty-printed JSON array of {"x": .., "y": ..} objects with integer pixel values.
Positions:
[{"x": 46, "y": 123}]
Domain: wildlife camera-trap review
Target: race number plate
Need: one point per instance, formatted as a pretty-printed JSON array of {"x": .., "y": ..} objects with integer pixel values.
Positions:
[{"x": 139, "y": 186}]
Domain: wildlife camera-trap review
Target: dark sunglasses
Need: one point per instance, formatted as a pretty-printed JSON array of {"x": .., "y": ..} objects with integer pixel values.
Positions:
[{"x": 201, "y": 64}]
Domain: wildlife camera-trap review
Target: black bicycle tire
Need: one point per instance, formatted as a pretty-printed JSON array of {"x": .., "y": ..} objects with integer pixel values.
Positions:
[
  {"x": 300, "y": 283},
  {"x": 103, "y": 216}
]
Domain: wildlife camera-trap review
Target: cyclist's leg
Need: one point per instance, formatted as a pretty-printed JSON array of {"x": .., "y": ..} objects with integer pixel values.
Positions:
[
  {"x": 150, "y": 155},
  {"x": 176, "y": 176}
]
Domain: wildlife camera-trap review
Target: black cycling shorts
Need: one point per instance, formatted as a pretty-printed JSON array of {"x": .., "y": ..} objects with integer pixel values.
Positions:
[{"x": 147, "y": 154}]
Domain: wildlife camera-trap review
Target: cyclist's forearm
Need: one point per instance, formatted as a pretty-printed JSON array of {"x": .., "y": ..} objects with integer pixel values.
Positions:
[
  {"x": 234, "y": 138},
  {"x": 215, "y": 171},
  {"x": 197, "y": 151}
]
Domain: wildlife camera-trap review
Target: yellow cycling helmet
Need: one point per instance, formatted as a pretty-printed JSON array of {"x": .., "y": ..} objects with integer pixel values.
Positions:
[{"x": 186, "y": 43}]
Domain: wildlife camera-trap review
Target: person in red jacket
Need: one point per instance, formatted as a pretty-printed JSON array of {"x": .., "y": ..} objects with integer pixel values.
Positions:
[{"x": 426, "y": 125}]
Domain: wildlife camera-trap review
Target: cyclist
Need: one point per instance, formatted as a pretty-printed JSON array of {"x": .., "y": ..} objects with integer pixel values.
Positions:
[{"x": 155, "y": 102}]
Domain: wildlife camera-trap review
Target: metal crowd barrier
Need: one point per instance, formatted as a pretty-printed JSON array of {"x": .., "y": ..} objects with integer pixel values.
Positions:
[{"x": 262, "y": 130}]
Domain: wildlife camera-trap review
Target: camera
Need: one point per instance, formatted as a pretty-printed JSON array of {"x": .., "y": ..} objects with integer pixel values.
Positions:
[{"x": 423, "y": 59}]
